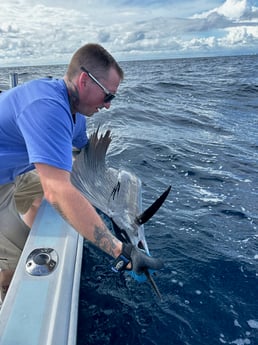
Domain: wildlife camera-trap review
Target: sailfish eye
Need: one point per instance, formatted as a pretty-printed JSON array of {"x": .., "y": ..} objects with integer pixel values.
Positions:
[{"x": 140, "y": 245}]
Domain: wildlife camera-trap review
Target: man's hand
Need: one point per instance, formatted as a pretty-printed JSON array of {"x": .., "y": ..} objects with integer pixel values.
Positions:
[
  {"x": 141, "y": 261},
  {"x": 133, "y": 258}
]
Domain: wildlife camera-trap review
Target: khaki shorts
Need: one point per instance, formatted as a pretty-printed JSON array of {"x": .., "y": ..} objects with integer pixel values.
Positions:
[{"x": 15, "y": 199}]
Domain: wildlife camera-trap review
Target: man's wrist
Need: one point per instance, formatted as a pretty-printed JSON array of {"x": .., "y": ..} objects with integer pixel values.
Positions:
[
  {"x": 118, "y": 248},
  {"x": 123, "y": 261},
  {"x": 120, "y": 263}
]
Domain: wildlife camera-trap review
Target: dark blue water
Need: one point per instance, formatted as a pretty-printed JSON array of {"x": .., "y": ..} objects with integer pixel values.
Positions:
[{"x": 191, "y": 123}]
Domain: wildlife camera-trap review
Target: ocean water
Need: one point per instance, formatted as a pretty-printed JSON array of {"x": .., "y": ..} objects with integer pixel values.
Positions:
[{"x": 191, "y": 124}]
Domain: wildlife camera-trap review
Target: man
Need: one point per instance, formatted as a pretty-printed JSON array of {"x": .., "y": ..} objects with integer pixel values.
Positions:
[{"x": 40, "y": 121}]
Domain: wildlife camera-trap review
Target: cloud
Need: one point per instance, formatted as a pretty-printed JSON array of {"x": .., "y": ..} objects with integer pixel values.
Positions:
[
  {"x": 234, "y": 9},
  {"x": 236, "y": 22},
  {"x": 37, "y": 32}
]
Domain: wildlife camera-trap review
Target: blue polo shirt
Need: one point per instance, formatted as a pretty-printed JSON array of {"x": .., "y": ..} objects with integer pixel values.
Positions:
[{"x": 36, "y": 126}]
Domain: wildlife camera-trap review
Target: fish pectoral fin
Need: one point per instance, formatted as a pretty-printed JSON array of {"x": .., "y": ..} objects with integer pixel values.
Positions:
[{"x": 150, "y": 211}]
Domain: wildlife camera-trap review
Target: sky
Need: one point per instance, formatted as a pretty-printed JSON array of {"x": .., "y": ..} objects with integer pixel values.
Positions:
[{"x": 38, "y": 32}]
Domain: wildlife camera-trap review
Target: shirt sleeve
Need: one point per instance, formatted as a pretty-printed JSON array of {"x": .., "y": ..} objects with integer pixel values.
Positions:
[{"x": 47, "y": 128}]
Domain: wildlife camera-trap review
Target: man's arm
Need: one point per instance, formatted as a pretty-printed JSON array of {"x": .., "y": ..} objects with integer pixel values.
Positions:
[{"x": 76, "y": 209}]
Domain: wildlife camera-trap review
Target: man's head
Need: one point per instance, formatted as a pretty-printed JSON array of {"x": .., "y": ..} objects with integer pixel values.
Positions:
[{"x": 96, "y": 75}]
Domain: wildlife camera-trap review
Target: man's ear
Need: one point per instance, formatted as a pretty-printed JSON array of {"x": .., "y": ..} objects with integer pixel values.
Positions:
[{"x": 83, "y": 78}]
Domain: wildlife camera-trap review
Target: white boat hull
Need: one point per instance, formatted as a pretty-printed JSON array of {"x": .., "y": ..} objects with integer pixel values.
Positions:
[{"x": 42, "y": 309}]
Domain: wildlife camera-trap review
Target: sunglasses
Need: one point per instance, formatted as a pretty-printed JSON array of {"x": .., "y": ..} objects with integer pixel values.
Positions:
[{"x": 109, "y": 96}]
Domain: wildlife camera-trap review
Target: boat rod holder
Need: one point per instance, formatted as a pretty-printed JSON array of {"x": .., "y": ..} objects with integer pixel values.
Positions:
[
  {"x": 41, "y": 261},
  {"x": 13, "y": 79}
]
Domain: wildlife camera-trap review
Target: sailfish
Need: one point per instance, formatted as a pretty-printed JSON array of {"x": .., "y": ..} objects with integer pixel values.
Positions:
[{"x": 115, "y": 192}]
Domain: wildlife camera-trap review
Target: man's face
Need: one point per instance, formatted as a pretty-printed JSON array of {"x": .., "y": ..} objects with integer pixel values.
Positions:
[{"x": 94, "y": 92}]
